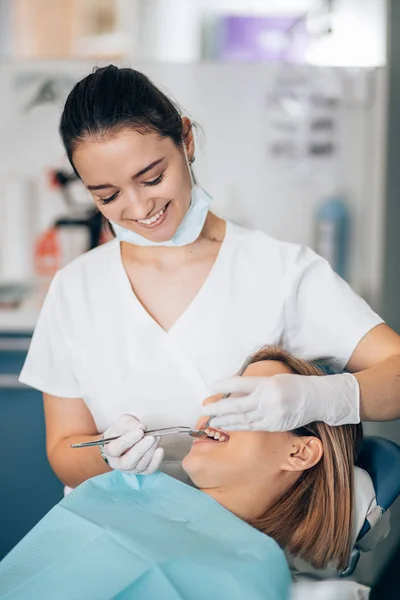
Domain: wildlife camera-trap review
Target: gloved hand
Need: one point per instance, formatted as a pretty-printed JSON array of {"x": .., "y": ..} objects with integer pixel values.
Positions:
[
  {"x": 132, "y": 452},
  {"x": 284, "y": 402}
]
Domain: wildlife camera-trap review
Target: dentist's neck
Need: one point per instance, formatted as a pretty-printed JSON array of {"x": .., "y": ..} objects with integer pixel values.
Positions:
[{"x": 213, "y": 230}]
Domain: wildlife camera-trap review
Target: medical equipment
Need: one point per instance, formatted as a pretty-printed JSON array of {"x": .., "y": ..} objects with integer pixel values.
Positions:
[
  {"x": 197, "y": 433},
  {"x": 154, "y": 432}
]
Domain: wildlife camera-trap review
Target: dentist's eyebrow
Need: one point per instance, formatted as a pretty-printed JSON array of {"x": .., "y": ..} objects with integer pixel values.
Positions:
[{"x": 104, "y": 186}]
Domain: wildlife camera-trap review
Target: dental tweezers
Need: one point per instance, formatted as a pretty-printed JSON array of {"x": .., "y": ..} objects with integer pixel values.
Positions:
[
  {"x": 155, "y": 432},
  {"x": 199, "y": 433}
]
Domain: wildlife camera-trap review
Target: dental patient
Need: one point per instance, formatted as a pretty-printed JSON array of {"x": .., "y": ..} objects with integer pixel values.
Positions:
[
  {"x": 256, "y": 493},
  {"x": 289, "y": 485}
]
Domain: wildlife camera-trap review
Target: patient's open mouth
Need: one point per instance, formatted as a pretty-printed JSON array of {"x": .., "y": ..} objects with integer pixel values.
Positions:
[
  {"x": 217, "y": 435},
  {"x": 214, "y": 435}
]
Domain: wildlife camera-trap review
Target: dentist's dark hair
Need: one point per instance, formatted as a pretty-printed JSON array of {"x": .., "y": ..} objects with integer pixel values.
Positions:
[{"x": 112, "y": 99}]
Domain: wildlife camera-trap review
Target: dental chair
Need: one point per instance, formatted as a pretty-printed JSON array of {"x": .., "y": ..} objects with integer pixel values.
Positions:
[{"x": 380, "y": 459}]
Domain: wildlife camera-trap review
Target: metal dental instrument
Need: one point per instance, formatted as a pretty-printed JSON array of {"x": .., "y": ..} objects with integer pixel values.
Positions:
[
  {"x": 197, "y": 433},
  {"x": 242, "y": 369},
  {"x": 155, "y": 432}
]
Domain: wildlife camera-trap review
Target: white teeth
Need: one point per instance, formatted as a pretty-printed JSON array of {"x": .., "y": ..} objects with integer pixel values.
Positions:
[
  {"x": 153, "y": 219},
  {"x": 216, "y": 435}
]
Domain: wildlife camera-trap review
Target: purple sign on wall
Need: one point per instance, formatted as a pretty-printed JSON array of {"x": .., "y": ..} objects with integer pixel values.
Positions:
[{"x": 263, "y": 39}]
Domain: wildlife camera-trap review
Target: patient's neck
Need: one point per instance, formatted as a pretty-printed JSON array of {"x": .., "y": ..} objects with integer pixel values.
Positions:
[{"x": 247, "y": 500}]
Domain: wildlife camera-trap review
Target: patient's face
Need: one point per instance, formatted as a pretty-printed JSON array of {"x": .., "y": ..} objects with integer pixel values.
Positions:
[{"x": 243, "y": 455}]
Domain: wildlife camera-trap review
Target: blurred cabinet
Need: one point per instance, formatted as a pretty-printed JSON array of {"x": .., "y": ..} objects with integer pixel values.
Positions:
[
  {"x": 45, "y": 29},
  {"x": 29, "y": 488},
  {"x": 42, "y": 29}
]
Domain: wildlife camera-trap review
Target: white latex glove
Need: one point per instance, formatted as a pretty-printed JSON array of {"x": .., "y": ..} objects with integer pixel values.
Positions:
[
  {"x": 284, "y": 402},
  {"x": 132, "y": 452}
]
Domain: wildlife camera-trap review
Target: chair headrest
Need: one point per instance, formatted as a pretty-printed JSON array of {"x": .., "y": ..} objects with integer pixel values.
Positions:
[{"x": 381, "y": 459}]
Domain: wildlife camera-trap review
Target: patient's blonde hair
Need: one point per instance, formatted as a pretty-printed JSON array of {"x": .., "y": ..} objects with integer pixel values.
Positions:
[{"x": 313, "y": 519}]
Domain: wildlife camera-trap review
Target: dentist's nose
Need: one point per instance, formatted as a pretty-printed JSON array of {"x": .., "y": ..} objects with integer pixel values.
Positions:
[{"x": 137, "y": 207}]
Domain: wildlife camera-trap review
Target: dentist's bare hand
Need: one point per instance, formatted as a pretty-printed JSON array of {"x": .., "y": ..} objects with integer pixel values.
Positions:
[{"x": 132, "y": 452}]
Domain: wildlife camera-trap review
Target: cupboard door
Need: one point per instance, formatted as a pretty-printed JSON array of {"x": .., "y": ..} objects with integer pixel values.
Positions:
[{"x": 29, "y": 488}]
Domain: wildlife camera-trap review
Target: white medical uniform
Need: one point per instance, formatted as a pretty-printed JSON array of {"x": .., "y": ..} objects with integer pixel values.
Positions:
[{"x": 95, "y": 340}]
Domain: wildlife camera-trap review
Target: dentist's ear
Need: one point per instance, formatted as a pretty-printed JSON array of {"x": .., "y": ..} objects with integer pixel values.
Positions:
[
  {"x": 188, "y": 138},
  {"x": 305, "y": 452}
]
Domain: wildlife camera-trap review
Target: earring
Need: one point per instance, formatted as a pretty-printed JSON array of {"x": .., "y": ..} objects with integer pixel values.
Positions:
[{"x": 191, "y": 161}]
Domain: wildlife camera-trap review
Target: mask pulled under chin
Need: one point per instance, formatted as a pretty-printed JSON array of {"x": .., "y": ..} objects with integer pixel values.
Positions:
[{"x": 187, "y": 232}]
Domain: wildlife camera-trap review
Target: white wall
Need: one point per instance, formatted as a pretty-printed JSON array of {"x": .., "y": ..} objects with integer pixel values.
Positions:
[
  {"x": 170, "y": 30},
  {"x": 358, "y": 35},
  {"x": 229, "y": 102},
  {"x": 266, "y": 7},
  {"x": 5, "y": 28}
]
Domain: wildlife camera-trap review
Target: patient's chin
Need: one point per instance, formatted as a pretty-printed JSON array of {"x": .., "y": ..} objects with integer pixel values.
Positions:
[
  {"x": 187, "y": 463},
  {"x": 199, "y": 477},
  {"x": 195, "y": 466},
  {"x": 203, "y": 472}
]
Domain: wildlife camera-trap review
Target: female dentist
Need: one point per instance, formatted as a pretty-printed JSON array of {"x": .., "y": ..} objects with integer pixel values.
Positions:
[{"x": 137, "y": 332}]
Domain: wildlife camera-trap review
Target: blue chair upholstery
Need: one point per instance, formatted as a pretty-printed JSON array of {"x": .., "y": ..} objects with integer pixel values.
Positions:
[{"x": 381, "y": 459}]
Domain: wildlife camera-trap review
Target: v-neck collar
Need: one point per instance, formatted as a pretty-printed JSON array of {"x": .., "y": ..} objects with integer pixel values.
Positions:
[{"x": 189, "y": 312}]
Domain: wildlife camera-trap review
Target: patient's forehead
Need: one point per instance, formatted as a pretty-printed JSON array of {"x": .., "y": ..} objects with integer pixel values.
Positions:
[{"x": 266, "y": 368}]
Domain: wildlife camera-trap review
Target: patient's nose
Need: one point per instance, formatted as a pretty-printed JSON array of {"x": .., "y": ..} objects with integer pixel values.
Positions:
[{"x": 212, "y": 399}]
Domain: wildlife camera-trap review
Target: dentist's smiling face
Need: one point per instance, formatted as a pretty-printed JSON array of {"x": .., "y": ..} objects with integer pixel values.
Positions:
[
  {"x": 139, "y": 181},
  {"x": 246, "y": 456}
]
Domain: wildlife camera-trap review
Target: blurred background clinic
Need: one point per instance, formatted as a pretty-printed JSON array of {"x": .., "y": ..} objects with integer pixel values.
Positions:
[{"x": 298, "y": 106}]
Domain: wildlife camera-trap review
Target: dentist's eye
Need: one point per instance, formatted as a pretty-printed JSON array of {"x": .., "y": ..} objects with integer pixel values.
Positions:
[
  {"x": 154, "y": 181},
  {"x": 104, "y": 201}
]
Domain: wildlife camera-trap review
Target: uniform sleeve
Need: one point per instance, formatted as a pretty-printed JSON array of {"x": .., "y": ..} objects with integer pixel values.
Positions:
[
  {"x": 49, "y": 363},
  {"x": 324, "y": 319}
]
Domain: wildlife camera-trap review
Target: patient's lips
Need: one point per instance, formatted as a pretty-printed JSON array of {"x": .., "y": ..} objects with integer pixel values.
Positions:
[{"x": 213, "y": 436}]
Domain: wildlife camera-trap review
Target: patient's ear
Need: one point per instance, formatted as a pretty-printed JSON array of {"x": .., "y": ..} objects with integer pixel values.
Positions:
[{"x": 304, "y": 452}]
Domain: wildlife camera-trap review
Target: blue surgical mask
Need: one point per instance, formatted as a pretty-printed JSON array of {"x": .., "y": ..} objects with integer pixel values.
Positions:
[{"x": 189, "y": 229}]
